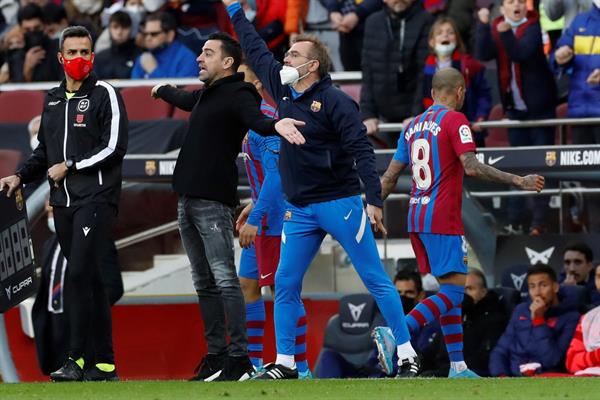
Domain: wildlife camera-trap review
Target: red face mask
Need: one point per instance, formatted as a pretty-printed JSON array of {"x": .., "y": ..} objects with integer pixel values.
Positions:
[{"x": 78, "y": 68}]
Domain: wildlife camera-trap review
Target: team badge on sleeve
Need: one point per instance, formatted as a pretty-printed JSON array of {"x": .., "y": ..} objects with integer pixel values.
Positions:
[{"x": 465, "y": 134}]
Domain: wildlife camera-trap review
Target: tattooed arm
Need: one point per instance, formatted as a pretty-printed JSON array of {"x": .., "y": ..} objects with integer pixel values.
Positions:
[
  {"x": 478, "y": 170},
  {"x": 390, "y": 178}
]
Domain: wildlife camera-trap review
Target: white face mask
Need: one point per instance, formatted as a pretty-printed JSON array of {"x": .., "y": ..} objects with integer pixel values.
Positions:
[
  {"x": 250, "y": 14},
  {"x": 444, "y": 50},
  {"x": 88, "y": 7},
  {"x": 33, "y": 142},
  {"x": 51, "y": 224},
  {"x": 153, "y": 5},
  {"x": 290, "y": 75}
]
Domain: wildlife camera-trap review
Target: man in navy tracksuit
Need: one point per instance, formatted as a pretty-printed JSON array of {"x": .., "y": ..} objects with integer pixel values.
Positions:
[{"x": 321, "y": 183}]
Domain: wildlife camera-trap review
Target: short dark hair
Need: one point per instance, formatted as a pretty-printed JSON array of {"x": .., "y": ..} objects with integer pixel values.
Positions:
[
  {"x": 120, "y": 18},
  {"x": 540, "y": 268},
  {"x": 319, "y": 51},
  {"x": 74, "y": 31},
  {"x": 480, "y": 275},
  {"x": 30, "y": 11},
  {"x": 229, "y": 46},
  {"x": 582, "y": 248},
  {"x": 53, "y": 13},
  {"x": 167, "y": 21},
  {"x": 408, "y": 275}
]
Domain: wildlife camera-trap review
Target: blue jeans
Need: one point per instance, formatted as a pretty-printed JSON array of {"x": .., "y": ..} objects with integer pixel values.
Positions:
[{"x": 206, "y": 229}]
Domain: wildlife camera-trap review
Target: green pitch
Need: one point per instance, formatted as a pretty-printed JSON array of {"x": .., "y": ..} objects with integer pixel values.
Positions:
[{"x": 362, "y": 389}]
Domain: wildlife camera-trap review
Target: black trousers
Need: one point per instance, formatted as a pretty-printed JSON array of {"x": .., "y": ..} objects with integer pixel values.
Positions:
[
  {"x": 84, "y": 235},
  {"x": 351, "y": 45}
]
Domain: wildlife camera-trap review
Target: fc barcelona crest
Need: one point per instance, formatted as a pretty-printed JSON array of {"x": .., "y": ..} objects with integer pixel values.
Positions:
[
  {"x": 287, "y": 216},
  {"x": 315, "y": 106},
  {"x": 150, "y": 168},
  {"x": 551, "y": 158},
  {"x": 19, "y": 199}
]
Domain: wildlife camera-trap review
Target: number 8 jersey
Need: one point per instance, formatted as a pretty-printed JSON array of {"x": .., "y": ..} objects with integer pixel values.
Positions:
[{"x": 431, "y": 145}]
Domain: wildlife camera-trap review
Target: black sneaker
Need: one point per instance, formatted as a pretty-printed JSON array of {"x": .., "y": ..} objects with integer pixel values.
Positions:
[
  {"x": 69, "y": 372},
  {"x": 238, "y": 368},
  {"x": 409, "y": 367},
  {"x": 210, "y": 368},
  {"x": 95, "y": 374},
  {"x": 277, "y": 371}
]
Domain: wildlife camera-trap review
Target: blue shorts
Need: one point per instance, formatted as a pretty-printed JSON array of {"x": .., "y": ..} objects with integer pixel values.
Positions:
[
  {"x": 439, "y": 254},
  {"x": 248, "y": 264}
]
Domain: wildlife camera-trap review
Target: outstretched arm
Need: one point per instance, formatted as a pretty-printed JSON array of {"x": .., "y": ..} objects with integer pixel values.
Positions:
[
  {"x": 390, "y": 177},
  {"x": 485, "y": 172}
]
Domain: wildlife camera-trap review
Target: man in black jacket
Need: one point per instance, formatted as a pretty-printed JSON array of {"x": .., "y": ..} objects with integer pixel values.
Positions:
[
  {"x": 205, "y": 178},
  {"x": 394, "y": 52},
  {"x": 117, "y": 61},
  {"x": 83, "y": 138}
]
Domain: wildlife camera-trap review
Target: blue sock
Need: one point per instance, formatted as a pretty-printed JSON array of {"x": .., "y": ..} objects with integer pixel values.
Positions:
[
  {"x": 255, "y": 326},
  {"x": 452, "y": 329}
]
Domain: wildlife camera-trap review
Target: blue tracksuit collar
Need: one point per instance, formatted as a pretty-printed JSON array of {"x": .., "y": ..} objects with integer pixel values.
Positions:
[{"x": 321, "y": 84}]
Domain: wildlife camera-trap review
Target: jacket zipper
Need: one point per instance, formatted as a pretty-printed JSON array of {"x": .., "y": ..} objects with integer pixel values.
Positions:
[
  {"x": 65, "y": 150},
  {"x": 100, "y": 177},
  {"x": 65, "y": 143}
]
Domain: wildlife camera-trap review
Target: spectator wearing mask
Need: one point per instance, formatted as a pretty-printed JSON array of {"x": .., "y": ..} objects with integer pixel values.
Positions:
[
  {"x": 117, "y": 61},
  {"x": 539, "y": 331},
  {"x": 55, "y": 19},
  {"x": 37, "y": 60},
  {"x": 583, "y": 355},
  {"x": 165, "y": 56},
  {"x": 394, "y": 52},
  {"x": 348, "y": 18},
  {"x": 85, "y": 13},
  {"x": 578, "y": 269},
  {"x": 448, "y": 50},
  {"x": 526, "y": 84}
]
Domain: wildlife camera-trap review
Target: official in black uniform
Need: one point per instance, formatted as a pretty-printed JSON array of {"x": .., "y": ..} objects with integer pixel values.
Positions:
[{"x": 83, "y": 138}]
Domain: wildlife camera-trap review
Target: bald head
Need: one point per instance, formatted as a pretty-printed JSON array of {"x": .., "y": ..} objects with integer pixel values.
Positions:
[
  {"x": 447, "y": 79},
  {"x": 448, "y": 88}
]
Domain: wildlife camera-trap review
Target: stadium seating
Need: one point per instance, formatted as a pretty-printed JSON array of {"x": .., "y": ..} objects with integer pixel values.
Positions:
[
  {"x": 9, "y": 159},
  {"x": 140, "y": 106},
  {"x": 20, "y": 105},
  {"x": 348, "y": 333},
  {"x": 497, "y": 137}
]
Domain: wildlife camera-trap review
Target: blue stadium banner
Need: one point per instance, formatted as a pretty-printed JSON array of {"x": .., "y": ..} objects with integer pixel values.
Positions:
[{"x": 17, "y": 269}]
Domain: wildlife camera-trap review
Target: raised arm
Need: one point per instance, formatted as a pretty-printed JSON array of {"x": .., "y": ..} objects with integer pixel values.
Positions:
[
  {"x": 485, "y": 172},
  {"x": 257, "y": 53}
]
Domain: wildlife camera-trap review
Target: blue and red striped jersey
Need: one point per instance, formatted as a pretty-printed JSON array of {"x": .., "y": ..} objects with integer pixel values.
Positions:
[
  {"x": 431, "y": 145},
  {"x": 261, "y": 158}
]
